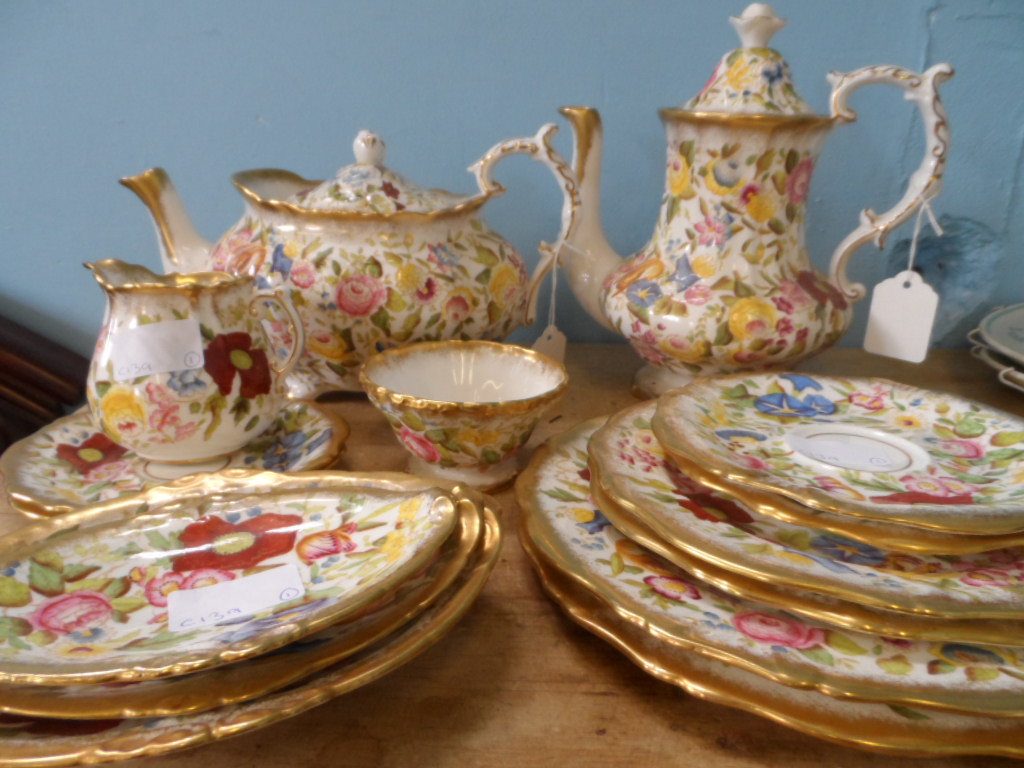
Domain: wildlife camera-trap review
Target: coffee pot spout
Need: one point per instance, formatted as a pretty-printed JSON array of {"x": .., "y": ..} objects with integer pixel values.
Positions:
[
  {"x": 182, "y": 248},
  {"x": 586, "y": 256}
]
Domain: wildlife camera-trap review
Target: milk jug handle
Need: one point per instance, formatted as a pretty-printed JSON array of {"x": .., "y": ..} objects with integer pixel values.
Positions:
[
  {"x": 539, "y": 148},
  {"x": 295, "y": 328},
  {"x": 925, "y": 183}
]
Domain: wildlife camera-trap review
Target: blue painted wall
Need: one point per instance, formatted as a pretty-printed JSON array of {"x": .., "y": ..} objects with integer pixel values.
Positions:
[{"x": 92, "y": 91}]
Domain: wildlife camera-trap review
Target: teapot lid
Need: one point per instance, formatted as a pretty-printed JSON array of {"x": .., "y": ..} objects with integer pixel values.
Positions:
[
  {"x": 368, "y": 186},
  {"x": 752, "y": 79}
]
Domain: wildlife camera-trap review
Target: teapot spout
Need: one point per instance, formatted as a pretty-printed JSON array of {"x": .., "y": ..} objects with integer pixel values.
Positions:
[
  {"x": 182, "y": 248},
  {"x": 586, "y": 255}
]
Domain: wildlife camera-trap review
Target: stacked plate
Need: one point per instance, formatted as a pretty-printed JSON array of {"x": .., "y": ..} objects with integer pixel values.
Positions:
[
  {"x": 998, "y": 341},
  {"x": 224, "y": 602},
  {"x": 839, "y": 555}
]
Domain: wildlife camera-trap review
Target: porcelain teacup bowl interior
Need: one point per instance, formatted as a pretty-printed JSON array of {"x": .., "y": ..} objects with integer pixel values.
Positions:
[{"x": 463, "y": 409}]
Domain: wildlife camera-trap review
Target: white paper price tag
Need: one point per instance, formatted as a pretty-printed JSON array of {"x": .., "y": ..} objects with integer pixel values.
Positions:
[
  {"x": 901, "y": 317},
  {"x": 171, "y": 345},
  {"x": 551, "y": 343},
  {"x": 189, "y": 609}
]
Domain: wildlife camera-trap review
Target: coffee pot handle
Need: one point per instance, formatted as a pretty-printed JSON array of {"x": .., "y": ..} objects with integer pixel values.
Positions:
[
  {"x": 295, "y": 327},
  {"x": 539, "y": 148},
  {"x": 925, "y": 183}
]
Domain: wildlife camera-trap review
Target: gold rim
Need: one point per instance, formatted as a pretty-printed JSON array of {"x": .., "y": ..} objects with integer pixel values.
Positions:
[
  {"x": 235, "y": 683},
  {"x": 398, "y": 649},
  {"x": 552, "y": 550},
  {"x": 741, "y": 120},
  {"x": 730, "y": 472},
  {"x": 910, "y": 737},
  {"x": 25, "y": 501},
  {"x": 223, "y": 485},
  {"x": 135, "y": 278},
  {"x": 622, "y": 506},
  {"x": 484, "y": 409},
  {"x": 849, "y": 615}
]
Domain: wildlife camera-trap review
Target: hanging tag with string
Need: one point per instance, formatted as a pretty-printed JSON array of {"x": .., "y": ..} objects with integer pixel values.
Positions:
[
  {"x": 903, "y": 307},
  {"x": 552, "y": 342}
]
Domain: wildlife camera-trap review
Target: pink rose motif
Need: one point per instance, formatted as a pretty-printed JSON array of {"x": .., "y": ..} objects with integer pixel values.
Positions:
[
  {"x": 962, "y": 449},
  {"x": 673, "y": 588},
  {"x": 361, "y": 295},
  {"x": 938, "y": 486},
  {"x": 778, "y": 630},
  {"x": 988, "y": 577},
  {"x": 204, "y": 577},
  {"x": 799, "y": 181},
  {"x": 751, "y": 462},
  {"x": 711, "y": 231},
  {"x": 457, "y": 308},
  {"x": 645, "y": 343},
  {"x": 303, "y": 274},
  {"x": 698, "y": 294},
  {"x": 420, "y": 445},
  {"x": 78, "y": 611},
  {"x": 871, "y": 401},
  {"x": 160, "y": 588}
]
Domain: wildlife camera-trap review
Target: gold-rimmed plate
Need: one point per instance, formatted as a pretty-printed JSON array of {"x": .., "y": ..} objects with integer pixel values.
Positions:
[
  {"x": 874, "y": 727},
  {"x": 562, "y": 522},
  {"x": 249, "y": 679},
  {"x": 91, "y": 596},
  {"x": 43, "y": 743},
  {"x": 681, "y": 515},
  {"x": 71, "y": 464},
  {"x": 869, "y": 448}
]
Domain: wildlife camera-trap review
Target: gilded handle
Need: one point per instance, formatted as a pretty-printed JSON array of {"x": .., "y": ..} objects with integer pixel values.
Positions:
[
  {"x": 925, "y": 183},
  {"x": 295, "y": 327},
  {"x": 540, "y": 149}
]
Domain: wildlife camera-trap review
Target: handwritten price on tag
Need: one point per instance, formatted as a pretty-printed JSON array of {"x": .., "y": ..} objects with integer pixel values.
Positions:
[
  {"x": 164, "y": 347},
  {"x": 207, "y": 606}
]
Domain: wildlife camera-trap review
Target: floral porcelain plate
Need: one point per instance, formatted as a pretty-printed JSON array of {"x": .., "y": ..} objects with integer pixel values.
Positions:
[
  {"x": 245, "y": 680},
  {"x": 1003, "y": 331},
  {"x": 636, "y": 476},
  {"x": 71, "y": 463},
  {"x": 44, "y": 743},
  {"x": 562, "y": 523},
  {"x": 897, "y": 730},
  {"x": 870, "y": 448},
  {"x": 203, "y": 571}
]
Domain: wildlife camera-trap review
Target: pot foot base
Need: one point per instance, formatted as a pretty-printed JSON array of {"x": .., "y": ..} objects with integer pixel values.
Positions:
[{"x": 490, "y": 479}]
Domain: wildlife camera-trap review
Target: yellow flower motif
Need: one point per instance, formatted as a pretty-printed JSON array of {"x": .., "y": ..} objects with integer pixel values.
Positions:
[
  {"x": 504, "y": 284},
  {"x": 407, "y": 509},
  {"x": 479, "y": 437},
  {"x": 123, "y": 414},
  {"x": 291, "y": 250},
  {"x": 752, "y": 318},
  {"x": 739, "y": 74},
  {"x": 583, "y": 515},
  {"x": 704, "y": 266},
  {"x": 410, "y": 279},
  {"x": 906, "y": 421},
  {"x": 328, "y": 345},
  {"x": 684, "y": 350},
  {"x": 761, "y": 207},
  {"x": 394, "y": 545},
  {"x": 680, "y": 179},
  {"x": 649, "y": 269}
]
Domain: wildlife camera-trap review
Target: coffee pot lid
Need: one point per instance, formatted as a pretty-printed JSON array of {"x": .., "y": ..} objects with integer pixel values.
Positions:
[
  {"x": 368, "y": 186},
  {"x": 752, "y": 79}
]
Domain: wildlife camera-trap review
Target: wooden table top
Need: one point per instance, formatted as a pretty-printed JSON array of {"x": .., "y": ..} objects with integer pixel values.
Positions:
[{"x": 517, "y": 683}]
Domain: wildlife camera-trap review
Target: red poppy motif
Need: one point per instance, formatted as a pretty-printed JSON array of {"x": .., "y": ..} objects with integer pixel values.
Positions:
[
  {"x": 919, "y": 497},
  {"x": 232, "y": 353},
  {"x": 94, "y": 452},
  {"x": 216, "y": 543}
]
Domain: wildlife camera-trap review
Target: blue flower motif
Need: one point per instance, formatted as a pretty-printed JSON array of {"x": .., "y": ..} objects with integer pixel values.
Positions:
[
  {"x": 285, "y": 451},
  {"x": 355, "y": 175},
  {"x": 281, "y": 263},
  {"x": 186, "y": 382},
  {"x": 773, "y": 74},
  {"x": 684, "y": 276},
  {"x": 442, "y": 255},
  {"x": 739, "y": 434},
  {"x": 644, "y": 293},
  {"x": 847, "y": 550},
  {"x": 961, "y": 653},
  {"x": 781, "y": 404},
  {"x": 802, "y": 382},
  {"x": 595, "y": 526}
]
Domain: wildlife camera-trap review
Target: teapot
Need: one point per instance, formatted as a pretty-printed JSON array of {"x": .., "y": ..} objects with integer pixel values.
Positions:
[
  {"x": 370, "y": 260},
  {"x": 726, "y": 283}
]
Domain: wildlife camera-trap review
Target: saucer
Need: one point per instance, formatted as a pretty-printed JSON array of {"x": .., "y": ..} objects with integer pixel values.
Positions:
[
  {"x": 867, "y": 448},
  {"x": 560, "y": 521},
  {"x": 1003, "y": 330},
  {"x": 71, "y": 463}
]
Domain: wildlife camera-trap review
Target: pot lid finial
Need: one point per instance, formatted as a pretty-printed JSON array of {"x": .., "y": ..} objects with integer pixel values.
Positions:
[{"x": 752, "y": 79}]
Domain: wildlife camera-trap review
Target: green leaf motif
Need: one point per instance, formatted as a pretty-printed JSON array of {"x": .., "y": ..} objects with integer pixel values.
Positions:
[
  {"x": 844, "y": 644},
  {"x": 12, "y": 626},
  {"x": 45, "y": 580},
  {"x": 907, "y": 712},
  {"x": 819, "y": 655},
  {"x": 486, "y": 256},
  {"x": 617, "y": 563},
  {"x": 76, "y": 571},
  {"x": 1002, "y": 439},
  {"x": 13, "y": 593},
  {"x": 968, "y": 427}
]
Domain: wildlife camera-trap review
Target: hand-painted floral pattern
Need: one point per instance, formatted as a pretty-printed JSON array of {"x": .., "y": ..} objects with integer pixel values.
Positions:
[
  {"x": 953, "y": 676},
  {"x": 967, "y": 477},
  {"x": 636, "y": 473},
  {"x": 100, "y": 596},
  {"x": 69, "y": 464},
  {"x": 750, "y": 80},
  {"x": 419, "y": 281}
]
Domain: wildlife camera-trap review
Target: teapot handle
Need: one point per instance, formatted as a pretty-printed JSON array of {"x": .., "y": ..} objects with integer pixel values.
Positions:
[
  {"x": 295, "y": 327},
  {"x": 925, "y": 183},
  {"x": 540, "y": 149}
]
